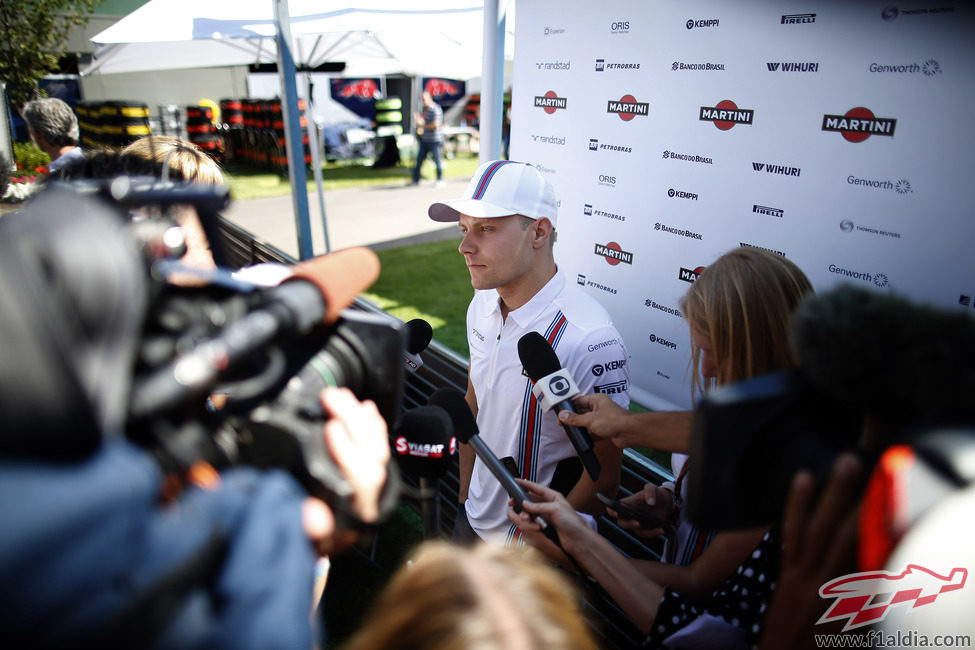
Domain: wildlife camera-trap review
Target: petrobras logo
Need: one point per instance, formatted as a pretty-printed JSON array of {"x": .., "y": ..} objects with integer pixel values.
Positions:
[
  {"x": 798, "y": 19},
  {"x": 607, "y": 181},
  {"x": 776, "y": 169},
  {"x": 892, "y": 12},
  {"x": 792, "y": 66},
  {"x": 602, "y": 65},
  {"x": 726, "y": 114},
  {"x": 858, "y": 124},
  {"x": 550, "y": 102},
  {"x": 596, "y": 145},
  {"x": 612, "y": 388},
  {"x": 613, "y": 253},
  {"x": 627, "y": 107},
  {"x": 589, "y": 211},
  {"x": 764, "y": 209},
  {"x": 553, "y": 31},
  {"x": 673, "y": 155},
  {"x": 597, "y": 285},
  {"x": 701, "y": 24},
  {"x": 680, "y": 194},
  {"x": 653, "y": 304},
  {"x": 619, "y": 27},
  {"x": 689, "y": 275},
  {"x": 903, "y": 186},
  {"x": 678, "y": 66},
  {"x": 848, "y": 226},
  {"x": 662, "y": 341},
  {"x": 548, "y": 139},
  {"x": 767, "y": 250},
  {"x": 680, "y": 232},
  {"x": 553, "y": 65},
  {"x": 929, "y": 68},
  {"x": 878, "y": 279}
]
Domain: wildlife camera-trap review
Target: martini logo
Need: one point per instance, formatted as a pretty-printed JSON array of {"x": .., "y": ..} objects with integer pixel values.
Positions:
[
  {"x": 627, "y": 107},
  {"x": 550, "y": 102},
  {"x": 613, "y": 253},
  {"x": 689, "y": 275},
  {"x": 858, "y": 124},
  {"x": 726, "y": 114},
  {"x": 866, "y": 598}
]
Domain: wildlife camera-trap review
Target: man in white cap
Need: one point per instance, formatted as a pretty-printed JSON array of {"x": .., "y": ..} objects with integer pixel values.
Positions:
[{"x": 508, "y": 217}]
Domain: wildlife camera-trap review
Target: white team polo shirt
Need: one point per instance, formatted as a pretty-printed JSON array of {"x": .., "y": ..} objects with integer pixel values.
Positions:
[{"x": 509, "y": 420}]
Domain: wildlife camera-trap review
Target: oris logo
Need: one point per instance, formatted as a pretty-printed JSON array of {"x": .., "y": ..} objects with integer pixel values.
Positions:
[
  {"x": 550, "y": 102},
  {"x": 627, "y": 107},
  {"x": 858, "y": 124},
  {"x": 609, "y": 181},
  {"x": 613, "y": 253},
  {"x": 620, "y": 27},
  {"x": 726, "y": 114}
]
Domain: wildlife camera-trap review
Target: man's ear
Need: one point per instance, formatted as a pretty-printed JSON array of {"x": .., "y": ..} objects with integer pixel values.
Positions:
[{"x": 543, "y": 231}]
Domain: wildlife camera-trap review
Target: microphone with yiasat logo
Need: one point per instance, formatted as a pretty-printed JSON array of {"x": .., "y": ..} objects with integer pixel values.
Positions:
[{"x": 424, "y": 446}]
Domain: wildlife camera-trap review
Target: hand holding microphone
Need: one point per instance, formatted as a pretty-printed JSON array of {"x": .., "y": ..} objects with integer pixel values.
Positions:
[{"x": 554, "y": 389}]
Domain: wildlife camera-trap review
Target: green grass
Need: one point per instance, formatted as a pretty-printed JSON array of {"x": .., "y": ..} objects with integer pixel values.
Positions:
[
  {"x": 249, "y": 183},
  {"x": 428, "y": 281}
]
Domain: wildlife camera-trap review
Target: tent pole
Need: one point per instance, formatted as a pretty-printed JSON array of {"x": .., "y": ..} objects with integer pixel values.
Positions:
[
  {"x": 492, "y": 81},
  {"x": 292, "y": 128},
  {"x": 315, "y": 141}
]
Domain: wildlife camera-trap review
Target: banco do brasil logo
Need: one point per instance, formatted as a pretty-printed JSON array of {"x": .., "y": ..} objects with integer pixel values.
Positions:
[
  {"x": 725, "y": 114},
  {"x": 858, "y": 124}
]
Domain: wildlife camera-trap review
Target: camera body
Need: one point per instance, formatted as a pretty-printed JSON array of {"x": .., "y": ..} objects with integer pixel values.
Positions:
[{"x": 749, "y": 439}]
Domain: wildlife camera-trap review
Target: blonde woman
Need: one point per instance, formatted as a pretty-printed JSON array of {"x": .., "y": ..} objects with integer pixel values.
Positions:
[
  {"x": 486, "y": 597},
  {"x": 716, "y": 590}
]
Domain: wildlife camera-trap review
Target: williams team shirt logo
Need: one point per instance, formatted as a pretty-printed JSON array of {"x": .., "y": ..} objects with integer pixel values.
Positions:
[{"x": 867, "y": 597}]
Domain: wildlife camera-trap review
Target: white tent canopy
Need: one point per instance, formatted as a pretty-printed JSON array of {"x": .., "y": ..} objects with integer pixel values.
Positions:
[{"x": 433, "y": 37}]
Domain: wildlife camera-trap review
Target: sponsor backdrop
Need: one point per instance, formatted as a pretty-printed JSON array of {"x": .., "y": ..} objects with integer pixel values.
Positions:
[{"x": 837, "y": 134}]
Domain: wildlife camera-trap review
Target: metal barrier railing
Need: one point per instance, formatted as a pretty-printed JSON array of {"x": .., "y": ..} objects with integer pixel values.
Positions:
[{"x": 444, "y": 367}]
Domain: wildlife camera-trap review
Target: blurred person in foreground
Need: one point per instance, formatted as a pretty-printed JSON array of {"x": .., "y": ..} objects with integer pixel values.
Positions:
[
  {"x": 483, "y": 597},
  {"x": 508, "y": 218},
  {"x": 715, "y": 592}
]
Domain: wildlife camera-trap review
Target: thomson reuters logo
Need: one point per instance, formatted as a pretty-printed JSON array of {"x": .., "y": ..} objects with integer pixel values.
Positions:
[
  {"x": 726, "y": 114},
  {"x": 550, "y": 102},
  {"x": 858, "y": 124},
  {"x": 613, "y": 253},
  {"x": 627, "y": 107}
]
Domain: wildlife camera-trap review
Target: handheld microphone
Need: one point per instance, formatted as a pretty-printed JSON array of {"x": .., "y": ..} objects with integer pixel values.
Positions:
[
  {"x": 453, "y": 402},
  {"x": 424, "y": 442},
  {"x": 419, "y": 334},
  {"x": 555, "y": 389},
  {"x": 318, "y": 291}
]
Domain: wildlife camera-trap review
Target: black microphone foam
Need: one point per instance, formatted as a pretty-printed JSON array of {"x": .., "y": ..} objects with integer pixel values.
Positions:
[
  {"x": 424, "y": 442},
  {"x": 453, "y": 402},
  {"x": 537, "y": 356},
  {"x": 555, "y": 389},
  {"x": 419, "y": 335}
]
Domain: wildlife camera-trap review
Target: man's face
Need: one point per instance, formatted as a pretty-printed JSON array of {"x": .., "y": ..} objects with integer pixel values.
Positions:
[{"x": 498, "y": 251}]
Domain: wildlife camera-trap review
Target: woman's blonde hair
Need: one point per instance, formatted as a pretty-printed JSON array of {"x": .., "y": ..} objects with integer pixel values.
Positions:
[
  {"x": 742, "y": 304},
  {"x": 483, "y": 597},
  {"x": 183, "y": 157}
]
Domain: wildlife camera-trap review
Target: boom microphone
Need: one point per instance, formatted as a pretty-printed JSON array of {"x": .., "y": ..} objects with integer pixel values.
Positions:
[
  {"x": 419, "y": 334},
  {"x": 424, "y": 442},
  {"x": 555, "y": 389},
  {"x": 317, "y": 292}
]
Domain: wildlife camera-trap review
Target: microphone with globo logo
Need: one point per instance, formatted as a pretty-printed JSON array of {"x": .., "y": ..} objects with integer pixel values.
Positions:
[{"x": 554, "y": 389}]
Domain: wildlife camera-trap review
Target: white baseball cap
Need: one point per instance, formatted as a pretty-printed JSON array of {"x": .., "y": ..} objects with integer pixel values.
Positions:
[{"x": 500, "y": 188}]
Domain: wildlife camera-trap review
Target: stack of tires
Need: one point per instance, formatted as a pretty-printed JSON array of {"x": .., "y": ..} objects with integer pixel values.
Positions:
[
  {"x": 232, "y": 128},
  {"x": 112, "y": 124},
  {"x": 202, "y": 131}
]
